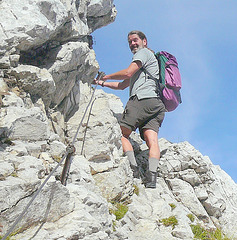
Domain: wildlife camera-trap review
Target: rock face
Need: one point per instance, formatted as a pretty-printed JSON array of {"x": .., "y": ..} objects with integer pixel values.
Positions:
[{"x": 47, "y": 62}]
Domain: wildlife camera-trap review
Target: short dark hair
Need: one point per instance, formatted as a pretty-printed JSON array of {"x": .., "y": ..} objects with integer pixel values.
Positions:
[{"x": 139, "y": 33}]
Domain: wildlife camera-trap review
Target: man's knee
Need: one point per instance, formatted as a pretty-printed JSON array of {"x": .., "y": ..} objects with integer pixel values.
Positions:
[
  {"x": 150, "y": 135},
  {"x": 125, "y": 132}
]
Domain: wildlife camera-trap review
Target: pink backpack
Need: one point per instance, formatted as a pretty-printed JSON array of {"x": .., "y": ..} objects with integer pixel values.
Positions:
[{"x": 170, "y": 80}]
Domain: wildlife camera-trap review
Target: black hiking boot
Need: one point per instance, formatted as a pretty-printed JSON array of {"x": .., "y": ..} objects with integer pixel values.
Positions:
[
  {"x": 150, "y": 179},
  {"x": 135, "y": 170}
]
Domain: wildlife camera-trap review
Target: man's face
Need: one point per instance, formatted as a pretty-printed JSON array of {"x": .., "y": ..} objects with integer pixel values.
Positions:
[{"x": 136, "y": 43}]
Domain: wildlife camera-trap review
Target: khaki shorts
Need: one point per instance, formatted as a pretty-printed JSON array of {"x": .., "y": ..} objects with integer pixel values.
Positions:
[{"x": 146, "y": 113}]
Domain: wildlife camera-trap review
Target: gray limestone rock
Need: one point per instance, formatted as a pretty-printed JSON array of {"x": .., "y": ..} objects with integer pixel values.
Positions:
[{"x": 46, "y": 67}]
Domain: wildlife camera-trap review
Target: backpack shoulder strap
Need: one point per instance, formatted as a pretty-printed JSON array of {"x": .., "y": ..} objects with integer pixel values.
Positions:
[
  {"x": 146, "y": 72},
  {"x": 157, "y": 81}
]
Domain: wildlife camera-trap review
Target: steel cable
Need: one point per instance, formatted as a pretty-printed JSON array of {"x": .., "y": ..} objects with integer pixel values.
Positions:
[{"x": 19, "y": 218}]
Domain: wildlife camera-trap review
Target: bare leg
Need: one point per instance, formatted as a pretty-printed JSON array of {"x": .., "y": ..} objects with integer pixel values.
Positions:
[
  {"x": 127, "y": 146},
  {"x": 128, "y": 150},
  {"x": 151, "y": 138}
]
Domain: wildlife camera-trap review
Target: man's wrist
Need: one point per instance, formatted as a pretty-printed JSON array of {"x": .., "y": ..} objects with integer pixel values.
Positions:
[{"x": 102, "y": 84}]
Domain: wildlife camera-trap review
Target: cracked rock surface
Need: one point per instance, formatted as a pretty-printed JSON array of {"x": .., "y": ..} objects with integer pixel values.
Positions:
[{"x": 47, "y": 63}]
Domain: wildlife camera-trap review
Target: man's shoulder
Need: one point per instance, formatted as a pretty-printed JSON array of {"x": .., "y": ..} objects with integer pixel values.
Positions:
[{"x": 143, "y": 51}]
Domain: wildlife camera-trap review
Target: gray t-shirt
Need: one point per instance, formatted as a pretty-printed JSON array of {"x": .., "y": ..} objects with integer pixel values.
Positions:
[{"x": 140, "y": 83}]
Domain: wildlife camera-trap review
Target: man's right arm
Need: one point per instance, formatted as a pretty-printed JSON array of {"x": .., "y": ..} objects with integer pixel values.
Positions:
[
  {"x": 125, "y": 73},
  {"x": 115, "y": 85}
]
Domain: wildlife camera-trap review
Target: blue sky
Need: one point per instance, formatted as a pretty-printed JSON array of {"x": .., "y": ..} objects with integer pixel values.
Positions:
[{"x": 203, "y": 37}]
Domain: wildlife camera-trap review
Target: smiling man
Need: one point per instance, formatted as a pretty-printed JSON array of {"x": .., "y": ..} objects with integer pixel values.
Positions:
[{"x": 144, "y": 109}]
